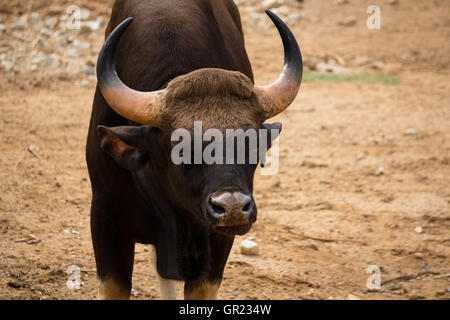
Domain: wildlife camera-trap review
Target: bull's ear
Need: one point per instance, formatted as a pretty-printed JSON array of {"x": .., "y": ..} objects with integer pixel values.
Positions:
[
  {"x": 273, "y": 131},
  {"x": 123, "y": 145}
]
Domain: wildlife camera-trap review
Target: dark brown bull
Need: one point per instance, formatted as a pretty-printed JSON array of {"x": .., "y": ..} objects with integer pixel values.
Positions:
[{"x": 186, "y": 62}]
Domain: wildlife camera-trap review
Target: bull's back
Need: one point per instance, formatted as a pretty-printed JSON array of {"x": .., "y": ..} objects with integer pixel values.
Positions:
[{"x": 174, "y": 37}]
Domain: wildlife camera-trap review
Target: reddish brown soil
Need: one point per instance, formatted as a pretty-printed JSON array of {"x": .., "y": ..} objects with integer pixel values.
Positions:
[{"x": 328, "y": 214}]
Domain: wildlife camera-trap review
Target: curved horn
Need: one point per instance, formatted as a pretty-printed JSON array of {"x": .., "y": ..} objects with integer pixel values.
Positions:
[
  {"x": 277, "y": 96},
  {"x": 137, "y": 106}
]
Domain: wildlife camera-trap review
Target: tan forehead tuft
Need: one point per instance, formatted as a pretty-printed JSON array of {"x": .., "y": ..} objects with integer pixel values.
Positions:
[
  {"x": 220, "y": 99},
  {"x": 211, "y": 82}
]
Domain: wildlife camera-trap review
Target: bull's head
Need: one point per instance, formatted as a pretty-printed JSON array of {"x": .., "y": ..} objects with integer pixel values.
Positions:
[{"x": 219, "y": 194}]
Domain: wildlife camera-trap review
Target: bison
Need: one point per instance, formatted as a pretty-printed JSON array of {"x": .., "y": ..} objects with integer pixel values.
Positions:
[{"x": 165, "y": 65}]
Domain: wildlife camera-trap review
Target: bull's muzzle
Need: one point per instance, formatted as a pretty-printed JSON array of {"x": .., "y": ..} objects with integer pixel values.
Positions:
[{"x": 231, "y": 209}]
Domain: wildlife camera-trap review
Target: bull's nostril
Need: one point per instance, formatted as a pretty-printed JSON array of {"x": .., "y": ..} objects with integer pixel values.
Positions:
[
  {"x": 217, "y": 209},
  {"x": 247, "y": 207}
]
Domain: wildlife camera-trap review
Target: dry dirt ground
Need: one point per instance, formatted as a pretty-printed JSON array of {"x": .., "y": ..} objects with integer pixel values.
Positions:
[{"x": 364, "y": 171}]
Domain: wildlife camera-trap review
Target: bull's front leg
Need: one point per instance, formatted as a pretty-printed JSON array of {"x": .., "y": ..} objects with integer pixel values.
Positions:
[
  {"x": 208, "y": 288},
  {"x": 114, "y": 253},
  {"x": 167, "y": 287}
]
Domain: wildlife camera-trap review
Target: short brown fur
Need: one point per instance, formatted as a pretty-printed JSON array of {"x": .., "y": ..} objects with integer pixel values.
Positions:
[{"x": 220, "y": 99}]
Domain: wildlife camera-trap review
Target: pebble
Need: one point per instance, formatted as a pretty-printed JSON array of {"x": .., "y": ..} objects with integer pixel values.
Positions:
[
  {"x": 73, "y": 53},
  {"x": 418, "y": 229},
  {"x": 352, "y": 297},
  {"x": 410, "y": 132},
  {"x": 93, "y": 25},
  {"x": 51, "y": 22},
  {"x": 81, "y": 44},
  {"x": 90, "y": 71},
  {"x": 86, "y": 83},
  {"x": 85, "y": 14},
  {"x": 348, "y": 22},
  {"x": 249, "y": 247},
  {"x": 379, "y": 171},
  {"x": 16, "y": 284},
  {"x": 269, "y": 4},
  {"x": 360, "y": 61},
  {"x": 418, "y": 255},
  {"x": 55, "y": 11},
  {"x": 6, "y": 65},
  {"x": 21, "y": 23},
  {"x": 377, "y": 65},
  {"x": 323, "y": 67},
  {"x": 35, "y": 20}
]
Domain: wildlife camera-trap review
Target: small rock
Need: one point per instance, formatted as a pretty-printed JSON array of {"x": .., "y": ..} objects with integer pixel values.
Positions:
[
  {"x": 393, "y": 2},
  {"x": 418, "y": 255},
  {"x": 311, "y": 62},
  {"x": 55, "y": 11},
  {"x": 86, "y": 83},
  {"x": 323, "y": 67},
  {"x": 415, "y": 296},
  {"x": 395, "y": 287},
  {"x": 418, "y": 229},
  {"x": 93, "y": 25},
  {"x": 361, "y": 155},
  {"x": 379, "y": 171},
  {"x": 51, "y": 62},
  {"x": 51, "y": 22},
  {"x": 34, "y": 149},
  {"x": 348, "y": 22},
  {"x": 35, "y": 20},
  {"x": 377, "y": 65},
  {"x": 2, "y": 27},
  {"x": 135, "y": 293},
  {"x": 85, "y": 14},
  {"x": 311, "y": 246},
  {"x": 440, "y": 293},
  {"x": 90, "y": 71},
  {"x": 423, "y": 265},
  {"x": 21, "y": 23},
  {"x": 352, "y": 297},
  {"x": 249, "y": 248},
  {"x": 247, "y": 272},
  {"x": 341, "y": 2},
  {"x": 410, "y": 132},
  {"x": 81, "y": 45},
  {"x": 269, "y": 4},
  {"x": 46, "y": 32},
  {"x": 73, "y": 53},
  {"x": 6, "y": 65},
  {"x": 360, "y": 61},
  {"x": 16, "y": 284}
]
